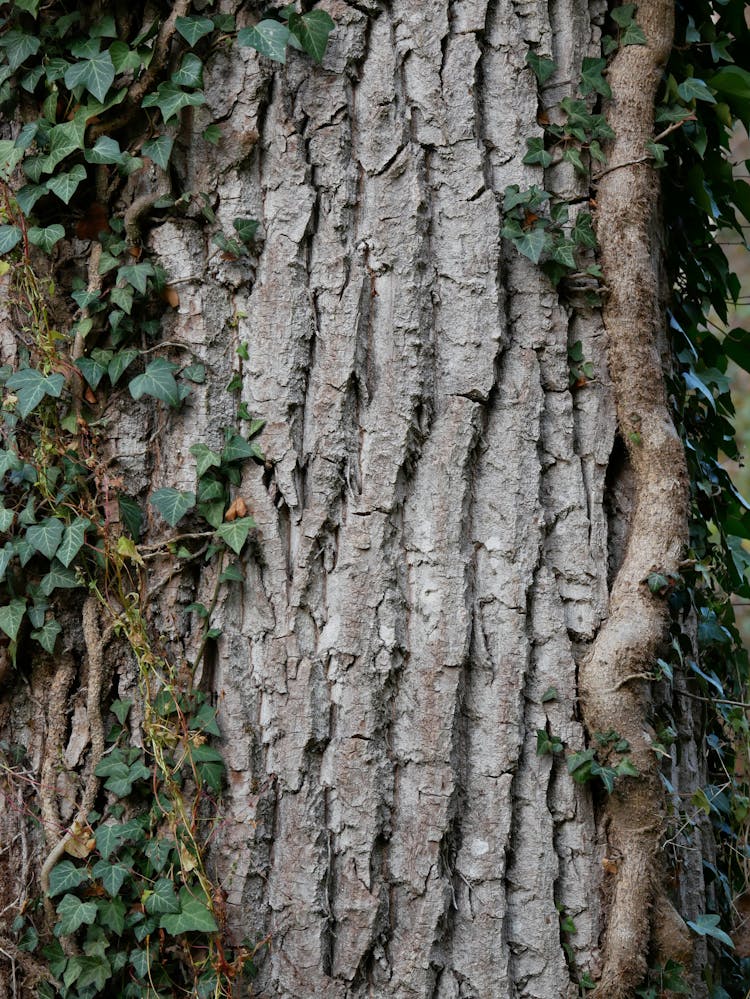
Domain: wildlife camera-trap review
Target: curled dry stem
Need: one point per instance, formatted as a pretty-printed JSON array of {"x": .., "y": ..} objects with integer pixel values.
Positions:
[{"x": 629, "y": 639}]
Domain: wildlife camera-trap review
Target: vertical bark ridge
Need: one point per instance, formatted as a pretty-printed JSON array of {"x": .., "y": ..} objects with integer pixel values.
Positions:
[{"x": 422, "y": 517}]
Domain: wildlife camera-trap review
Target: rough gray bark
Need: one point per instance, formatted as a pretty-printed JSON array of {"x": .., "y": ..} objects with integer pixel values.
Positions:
[{"x": 432, "y": 547}]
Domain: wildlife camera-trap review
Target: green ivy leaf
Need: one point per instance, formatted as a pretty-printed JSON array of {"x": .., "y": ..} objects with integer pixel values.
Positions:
[
  {"x": 237, "y": 449},
  {"x": 592, "y": 79},
  {"x": 31, "y": 386},
  {"x": 209, "y": 765},
  {"x": 623, "y": 15},
  {"x": 633, "y": 35},
  {"x": 120, "y": 362},
  {"x": 205, "y": 458},
  {"x": 72, "y": 541},
  {"x": 172, "y": 504},
  {"x": 64, "y": 140},
  {"x": 58, "y": 578},
  {"x": 92, "y": 370},
  {"x": 65, "y": 876},
  {"x": 157, "y": 380},
  {"x": 46, "y": 537},
  {"x": 112, "y": 914},
  {"x": 707, "y": 925},
  {"x": 190, "y": 73},
  {"x": 234, "y": 533},
  {"x": 312, "y": 30},
  {"x": 161, "y": 898},
  {"x": 246, "y": 229},
  {"x": 105, "y": 150},
  {"x": 136, "y": 275},
  {"x": 96, "y": 74},
  {"x": 194, "y": 917},
  {"x": 532, "y": 243},
  {"x": 158, "y": 851},
  {"x": 11, "y": 616},
  {"x": 537, "y": 153},
  {"x": 695, "y": 89},
  {"x": 6, "y": 518},
  {"x": 267, "y": 37},
  {"x": 87, "y": 971},
  {"x": 46, "y": 238},
  {"x": 47, "y": 635},
  {"x": 194, "y": 28},
  {"x": 10, "y": 236},
  {"x": 73, "y": 914},
  {"x": 541, "y": 66},
  {"x": 159, "y": 150},
  {"x": 212, "y": 134},
  {"x": 18, "y": 47},
  {"x": 171, "y": 100}
]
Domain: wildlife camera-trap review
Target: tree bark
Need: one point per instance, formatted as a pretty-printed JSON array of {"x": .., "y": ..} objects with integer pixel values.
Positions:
[{"x": 440, "y": 515}]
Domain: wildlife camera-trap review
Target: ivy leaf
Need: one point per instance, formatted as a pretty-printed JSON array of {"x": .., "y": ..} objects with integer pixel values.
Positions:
[
  {"x": 592, "y": 78},
  {"x": 18, "y": 47},
  {"x": 541, "y": 66},
  {"x": 120, "y": 362},
  {"x": 237, "y": 449},
  {"x": 157, "y": 380},
  {"x": 64, "y": 140},
  {"x": 11, "y": 616},
  {"x": 312, "y": 30},
  {"x": 58, "y": 578},
  {"x": 105, "y": 150},
  {"x": 623, "y": 15},
  {"x": 89, "y": 970},
  {"x": 72, "y": 541},
  {"x": 205, "y": 458},
  {"x": 193, "y": 29},
  {"x": 246, "y": 229},
  {"x": 190, "y": 73},
  {"x": 172, "y": 504},
  {"x": 47, "y": 635},
  {"x": 161, "y": 898},
  {"x": 112, "y": 914},
  {"x": 234, "y": 533},
  {"x": 531, "y": 243},
  {"x": 96, "y": 75},
  {"x": 10, "y": 236},
  {"x": 633, "y": 35},
  {"x": 209, "y": 765},
  {"x": 65, "y": 876},
  {"x": 136, "y": 275},
  {"x": 695, "y": 89},
  {"x": 28, "y": 196},
  {"x": 536, "y": 153},
  {"x": 158, "y": 851},
  {"x": 267, "y": 37},
  {"x": 707, "y": 925},
  {"x": 108, "y": 837},
  {"x": 7, "y": 517},
  {"x": 31, "y": 386},
  {"x": 194, "y": 917},
  {"x": 46, "y": 537},
  {"x": 171, "y": 100},
  {"x": 74, "y": 913},
  {"x": 93, "y": 370},
  {"x": 159, "y": 150},
  {"x": 46, "y": 238}
]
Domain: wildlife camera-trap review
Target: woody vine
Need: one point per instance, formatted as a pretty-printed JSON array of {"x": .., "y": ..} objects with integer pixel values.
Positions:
[{"x": 126, "y": 901}]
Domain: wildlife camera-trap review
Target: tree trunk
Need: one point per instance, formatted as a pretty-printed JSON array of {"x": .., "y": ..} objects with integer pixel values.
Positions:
[{"x": 440, "y": 517}]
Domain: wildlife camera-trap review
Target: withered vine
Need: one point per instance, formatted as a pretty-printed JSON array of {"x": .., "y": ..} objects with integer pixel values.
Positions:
[{"x": 96, "y": 95}]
